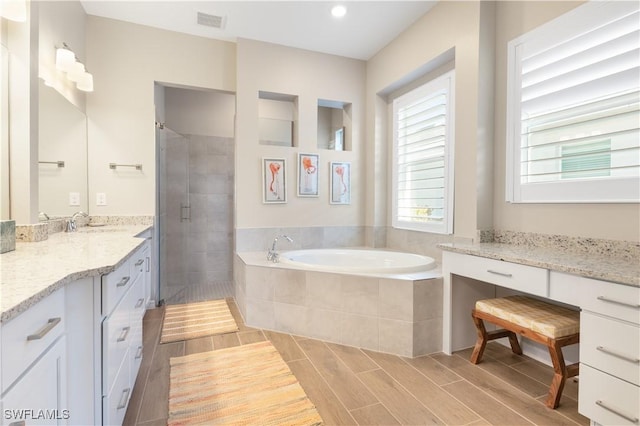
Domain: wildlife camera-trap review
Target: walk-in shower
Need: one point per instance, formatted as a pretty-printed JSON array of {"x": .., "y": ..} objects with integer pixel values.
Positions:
[{"x": 195, "y": 215}]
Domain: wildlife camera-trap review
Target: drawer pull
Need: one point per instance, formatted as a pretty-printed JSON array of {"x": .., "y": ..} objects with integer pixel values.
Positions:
[
  {"x": 123, "y": 334},
  {"x": 139, "y": 352},
  {"x": 502, "y": 274},
  {"x": 123, "y": 399},
  {"x": 618, "y": 354},
  {"x": 139, "y": 262},
  {"x": 139, "y": 303},
  {"x": 123, "y": 282},
  {"x": 619, "y": 302},
  {"x": 148, "y": 263},
  {"x": 47, "y": 328},
  {"x": 615, "y": 411}
]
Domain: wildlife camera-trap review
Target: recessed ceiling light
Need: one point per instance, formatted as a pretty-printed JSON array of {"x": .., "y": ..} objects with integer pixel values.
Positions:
[{"x": 338, "y": 11}]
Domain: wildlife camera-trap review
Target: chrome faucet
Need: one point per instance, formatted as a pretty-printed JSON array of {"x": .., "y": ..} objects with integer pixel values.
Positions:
[
  {"x": 273, "y": 254},
  {"x": 71, "y": 223}
]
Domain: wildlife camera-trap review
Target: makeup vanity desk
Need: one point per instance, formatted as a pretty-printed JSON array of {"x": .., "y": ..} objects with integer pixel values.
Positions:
[{"x": 605, "y": 288}]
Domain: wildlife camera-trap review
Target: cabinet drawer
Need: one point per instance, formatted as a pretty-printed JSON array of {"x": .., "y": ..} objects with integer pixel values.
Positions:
[
  {"x": 28, "y": 335},
  {"x": 606, "y": 399},
  {"x": 614, "y": 300},
  {"x": 610, "y": 346},
  {"x": 114, "y": 286},
  {"x": 137, "y": 263},
  {"x": 135, "y": 356},
  {"x": 114, "y": 405},
  {"x": 528, "y": 279},
  {"x": 116, "y": 338}
]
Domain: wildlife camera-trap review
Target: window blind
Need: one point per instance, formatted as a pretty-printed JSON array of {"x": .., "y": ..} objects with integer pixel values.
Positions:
[
  {"x": 421, "y": 157},
  {"x": 577, "y": 95}
]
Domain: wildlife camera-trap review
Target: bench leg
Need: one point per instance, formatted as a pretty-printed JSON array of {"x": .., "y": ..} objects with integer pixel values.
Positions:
[
  {"x": 484, "y": 337},
  {"x": 559, "y": 376},
  {"x": 481, "y": 343}
]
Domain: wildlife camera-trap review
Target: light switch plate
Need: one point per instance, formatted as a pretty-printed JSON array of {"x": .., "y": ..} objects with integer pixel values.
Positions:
[
  {"x": 101, "y": 199},
  {"x": 74, "y": 198}
]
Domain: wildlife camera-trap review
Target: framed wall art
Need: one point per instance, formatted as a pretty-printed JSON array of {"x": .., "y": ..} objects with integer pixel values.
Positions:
[
  {"x": 308, "y": 175},
  {"x": 340, "y": 183},
  {"x": 274, "y": 180}
]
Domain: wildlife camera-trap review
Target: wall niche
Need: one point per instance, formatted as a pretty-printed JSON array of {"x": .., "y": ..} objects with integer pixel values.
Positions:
[
  {"x": 277, "y": 118},
  {"x": 334, "y": 125}
]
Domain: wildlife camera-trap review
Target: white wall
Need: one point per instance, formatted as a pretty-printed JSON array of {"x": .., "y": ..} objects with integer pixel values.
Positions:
[
  {"x": 126, "y": 59},
  {"x": 310, "y": 76},
  {"x": 608, "y": 221}
]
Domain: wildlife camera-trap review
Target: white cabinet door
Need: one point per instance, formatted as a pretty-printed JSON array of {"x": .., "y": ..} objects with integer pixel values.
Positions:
[{"x": 39, "y": 397}]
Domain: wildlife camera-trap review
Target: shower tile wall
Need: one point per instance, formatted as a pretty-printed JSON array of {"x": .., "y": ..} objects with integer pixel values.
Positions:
[
  {"x": 210, "y": 244},
  {"x": 198, "y": 263}
]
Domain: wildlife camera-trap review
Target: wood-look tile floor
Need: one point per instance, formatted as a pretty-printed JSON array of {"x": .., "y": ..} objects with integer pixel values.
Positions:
[{"x": 351, "y": 386}]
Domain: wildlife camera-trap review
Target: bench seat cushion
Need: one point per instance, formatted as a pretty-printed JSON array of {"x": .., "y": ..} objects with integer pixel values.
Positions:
[{"x": 544, "y": 318}]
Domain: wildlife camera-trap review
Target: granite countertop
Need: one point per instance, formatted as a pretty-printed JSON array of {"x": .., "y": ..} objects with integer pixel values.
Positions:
[
  {"x": 35, "y": 270},
  {"x": 619, "y": 269}
]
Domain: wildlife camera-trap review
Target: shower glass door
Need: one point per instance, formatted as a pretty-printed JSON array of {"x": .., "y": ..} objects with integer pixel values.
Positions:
[{"x": 174, "y": 211}]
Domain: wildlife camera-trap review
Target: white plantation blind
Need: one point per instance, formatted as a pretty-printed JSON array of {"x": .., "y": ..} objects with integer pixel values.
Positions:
[
  {"x": 574, "y": 107},
  {"x": 422, "y": 157}
]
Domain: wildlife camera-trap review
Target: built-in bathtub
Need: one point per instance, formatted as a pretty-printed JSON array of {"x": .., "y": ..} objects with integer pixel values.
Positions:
[
  {"x": 358, "y": 261},
  {"x": 320, "y": 294}
]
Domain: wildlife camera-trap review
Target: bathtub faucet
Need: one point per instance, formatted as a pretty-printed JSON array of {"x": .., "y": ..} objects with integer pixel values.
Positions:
[{"x": 273, "y": 254}]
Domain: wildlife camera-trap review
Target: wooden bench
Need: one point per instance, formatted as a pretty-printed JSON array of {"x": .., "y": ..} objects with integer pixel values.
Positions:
[{"x": 551, "y": 325}]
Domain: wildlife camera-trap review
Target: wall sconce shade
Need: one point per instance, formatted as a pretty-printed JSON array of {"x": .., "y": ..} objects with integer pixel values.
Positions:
[
  {"x": 85, "y": 82},
  {"x": 75, "y": 72},
  {"x": 65, "y": 59}
]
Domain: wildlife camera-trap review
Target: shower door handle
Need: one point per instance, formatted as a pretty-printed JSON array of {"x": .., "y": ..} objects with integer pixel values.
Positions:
[{"x": 185, "y": 213}]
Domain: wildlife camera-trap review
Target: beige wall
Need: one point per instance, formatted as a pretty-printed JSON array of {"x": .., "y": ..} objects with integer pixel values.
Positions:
[
  {"x": 419, "y": 50},
  {"x": 608, "y": 221},
  {"x": 126, "y": 59},
  {"x": 310, "y": 76},
  {"x": 200, "y": 112}
]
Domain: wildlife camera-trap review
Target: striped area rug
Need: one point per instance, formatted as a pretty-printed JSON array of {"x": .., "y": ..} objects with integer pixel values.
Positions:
[
  {"x": 193, "y": 320},
  {"x": 243, "y": 385}
]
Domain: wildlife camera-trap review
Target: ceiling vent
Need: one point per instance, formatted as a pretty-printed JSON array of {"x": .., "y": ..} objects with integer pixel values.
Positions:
[{"x": 212, "y": 21}]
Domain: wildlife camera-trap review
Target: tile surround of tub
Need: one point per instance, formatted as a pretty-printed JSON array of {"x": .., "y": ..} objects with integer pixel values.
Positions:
[
  {"x": 423, "y": 243},
  {"x": 261, "y": 239},
  {"x": 380, "y": 314}
]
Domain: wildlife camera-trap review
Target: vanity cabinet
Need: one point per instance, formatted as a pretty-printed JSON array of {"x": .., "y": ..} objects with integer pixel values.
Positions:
[
  {"x": 34, "y": 365},
  {"x": 123, "y": 306},
  {"x": 610, "y": 353},
  {"x": 609, "y": 380}
]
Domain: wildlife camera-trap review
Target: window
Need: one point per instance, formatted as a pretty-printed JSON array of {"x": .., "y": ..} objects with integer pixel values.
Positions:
[
  {"x": 423, "y": 157},
  {"x": 573, "y": 107}
]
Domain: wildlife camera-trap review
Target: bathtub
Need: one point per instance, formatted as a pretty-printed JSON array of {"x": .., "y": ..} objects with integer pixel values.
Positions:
[
  {"x": 381, "y": 300},
  {"x": 358, "y": 261}
]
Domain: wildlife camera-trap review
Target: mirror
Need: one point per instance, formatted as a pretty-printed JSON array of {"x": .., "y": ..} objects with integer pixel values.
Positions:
[
  {"x": 62, "y": 155},
  {"x": 334, "y": 124},
  {"x": 5, "y": 212},
  {"x": 277, "y": 114}
]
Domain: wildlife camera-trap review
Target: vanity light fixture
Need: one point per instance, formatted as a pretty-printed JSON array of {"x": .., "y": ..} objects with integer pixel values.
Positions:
[
  {"x": 66, "y": 61},
  {"x": 338, "y": 11}
]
